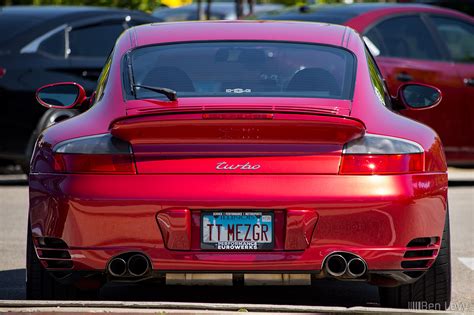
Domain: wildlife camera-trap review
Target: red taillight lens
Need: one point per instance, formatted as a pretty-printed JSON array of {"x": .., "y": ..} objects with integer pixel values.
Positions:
[
  {"x": 3, "y": 71},
  {"x": 360, "y": 164},
  {"x": 94, "y": 154},
  {"x": 375, "y": 154},
  {"x": 94, "y": 163}
]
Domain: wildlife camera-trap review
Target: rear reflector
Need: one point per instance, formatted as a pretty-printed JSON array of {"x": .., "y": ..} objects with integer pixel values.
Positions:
[
  {"x": 94, "y": 163},
  {"x": 362, "y": 164}
]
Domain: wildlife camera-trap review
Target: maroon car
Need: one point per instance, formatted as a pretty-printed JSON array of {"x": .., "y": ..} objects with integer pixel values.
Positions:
[
  {"x": 419, "y": 43},
  {"x": 240, "y": 152}
]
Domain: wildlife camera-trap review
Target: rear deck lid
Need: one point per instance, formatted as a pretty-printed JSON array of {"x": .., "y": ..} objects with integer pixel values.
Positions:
[{"x": 237, "y": 142}]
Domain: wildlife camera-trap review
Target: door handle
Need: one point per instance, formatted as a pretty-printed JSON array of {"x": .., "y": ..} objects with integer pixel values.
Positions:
[
  {"x": 469, "y": 81},
  {"x": 404, "y": 77}
]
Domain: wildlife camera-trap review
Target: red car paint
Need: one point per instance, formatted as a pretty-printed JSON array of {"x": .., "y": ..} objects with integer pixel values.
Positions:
[
  {"x": 155, "y": 206},
  {"x": 452, "y": 120}
]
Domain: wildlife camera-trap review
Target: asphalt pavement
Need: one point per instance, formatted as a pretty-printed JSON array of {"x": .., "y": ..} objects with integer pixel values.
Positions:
[{"x": 13, "y": 216}]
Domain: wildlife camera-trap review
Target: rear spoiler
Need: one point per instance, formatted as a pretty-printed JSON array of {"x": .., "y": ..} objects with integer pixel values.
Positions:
[{"x": 269, "y": 128}]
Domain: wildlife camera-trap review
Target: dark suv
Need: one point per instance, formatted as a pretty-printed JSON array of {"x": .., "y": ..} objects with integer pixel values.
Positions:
[{"x": 41, "y": 45}]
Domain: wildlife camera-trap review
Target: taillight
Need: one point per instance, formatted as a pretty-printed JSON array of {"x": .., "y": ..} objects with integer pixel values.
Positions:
[
  {"x": 373, "y": 154},
  {"x": 3, "y": 71},
  {"x": 95, "y": 154}
]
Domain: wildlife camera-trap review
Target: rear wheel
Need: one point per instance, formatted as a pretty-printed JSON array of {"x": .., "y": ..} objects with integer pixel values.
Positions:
[
  {"x": 40, "y": 285},
  {"x": 432, "y": 290}
]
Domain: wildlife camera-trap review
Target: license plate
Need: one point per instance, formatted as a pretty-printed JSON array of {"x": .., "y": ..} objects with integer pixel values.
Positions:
[{"x": 237, "y": 230}]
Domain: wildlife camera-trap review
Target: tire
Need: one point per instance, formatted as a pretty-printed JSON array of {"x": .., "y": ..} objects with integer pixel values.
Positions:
[
  {"x": 432, "y": 290},
  {"x": 40, "y": 285},
  {"x": 49, "y": 118}
]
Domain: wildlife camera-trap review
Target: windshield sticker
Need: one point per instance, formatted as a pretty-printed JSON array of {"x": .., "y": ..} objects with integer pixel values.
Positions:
[{"x": 238, "y": 91}]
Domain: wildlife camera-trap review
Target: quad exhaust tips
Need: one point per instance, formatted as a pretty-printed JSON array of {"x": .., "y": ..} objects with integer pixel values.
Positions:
[
  {"x": 336, "y": 265},
  {"x": 117, "y": 267},
  {"x": 356, "y": 267},
  {"x": 138, "y": 265},
  {"x": 345, "y": 265},
  {"x": 135, "y": 265}
]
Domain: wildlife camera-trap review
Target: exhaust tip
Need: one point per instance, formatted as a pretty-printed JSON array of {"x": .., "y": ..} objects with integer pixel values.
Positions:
[
  {"x": 117, "y": 267},
  {"x": 356, "y": 267},
  {"x": 336, "y": 265},
  {"x": 138, "y": 265}
]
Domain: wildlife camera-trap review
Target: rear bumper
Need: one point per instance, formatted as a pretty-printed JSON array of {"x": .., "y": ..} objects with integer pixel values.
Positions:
[{"x": 374, "y": 217}]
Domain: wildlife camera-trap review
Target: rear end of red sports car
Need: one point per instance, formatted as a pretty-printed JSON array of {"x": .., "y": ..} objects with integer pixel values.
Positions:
[{"x": 254, "y": 153}]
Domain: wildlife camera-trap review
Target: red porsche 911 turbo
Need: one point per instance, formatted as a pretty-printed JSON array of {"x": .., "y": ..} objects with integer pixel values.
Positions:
[{"x": 262, "y": 153}]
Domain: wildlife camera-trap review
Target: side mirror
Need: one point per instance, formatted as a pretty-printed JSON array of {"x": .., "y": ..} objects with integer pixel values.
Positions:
[
  {"x": 417, "y": 96},
  {"x": 62, "y": 95}
]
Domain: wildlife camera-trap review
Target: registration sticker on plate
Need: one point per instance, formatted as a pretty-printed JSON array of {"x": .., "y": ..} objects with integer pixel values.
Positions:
[{"x": 237, "y": 230}]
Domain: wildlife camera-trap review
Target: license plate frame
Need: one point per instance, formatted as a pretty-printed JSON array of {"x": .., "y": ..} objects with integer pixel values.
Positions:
[{"x": 239, "y": 245}]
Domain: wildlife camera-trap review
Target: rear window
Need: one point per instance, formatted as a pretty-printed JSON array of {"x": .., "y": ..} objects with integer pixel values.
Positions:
[
  {"x": 12, "y": 25},
  {"x": 271, "y": 69}
]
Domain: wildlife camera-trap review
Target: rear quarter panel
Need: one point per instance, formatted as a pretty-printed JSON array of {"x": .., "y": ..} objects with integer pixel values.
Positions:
[{"x": 382, "y": 121}]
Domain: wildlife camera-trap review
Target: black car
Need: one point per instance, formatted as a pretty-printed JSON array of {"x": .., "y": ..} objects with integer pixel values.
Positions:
[{"x": 42, "y": 45}]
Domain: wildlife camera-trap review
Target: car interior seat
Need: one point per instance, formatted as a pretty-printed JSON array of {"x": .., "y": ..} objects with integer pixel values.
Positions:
[
  {"x": 314, "y": 80},
  {"x": 254, "y": 63},
  {"x": 169, "y": 77}
]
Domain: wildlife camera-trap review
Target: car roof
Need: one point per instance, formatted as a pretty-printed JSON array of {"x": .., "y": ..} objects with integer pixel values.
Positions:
[
  {"x": 224, "y": 7},
  {"x": 218, "y": 7},
  {"x": 41, "y": 19},
  {"x": 344, "y": 12},
  {"x": 48, "y": 12},
  {"x": 348, "y": 9},
  {"x": 329, "y": 34},
  {"x": 193, "y": 6},
  {"x": 360, "y": 8}
]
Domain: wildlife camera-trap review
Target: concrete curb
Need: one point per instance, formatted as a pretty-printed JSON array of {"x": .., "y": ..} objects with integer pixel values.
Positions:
[
  {"x": 188, "y": 308},
  {"x": 460, "y": 174}
]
